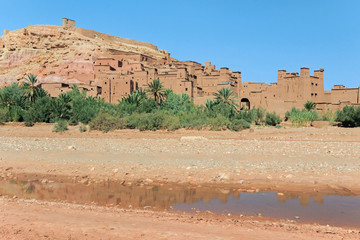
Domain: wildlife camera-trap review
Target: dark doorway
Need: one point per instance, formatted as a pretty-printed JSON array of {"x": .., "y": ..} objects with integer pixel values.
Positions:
[{"x": 244, "y": 104}]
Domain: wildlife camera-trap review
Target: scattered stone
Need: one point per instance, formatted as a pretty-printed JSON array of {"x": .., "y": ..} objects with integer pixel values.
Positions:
[
  {"x": 71, "y": 147},
  {"x": 289, "y": 176},
  {"x": 192, "y": 138},
  {"x": 148, "y": 180}
]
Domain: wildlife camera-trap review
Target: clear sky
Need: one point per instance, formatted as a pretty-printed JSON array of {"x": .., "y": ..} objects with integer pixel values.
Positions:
[{"x": 256, "y": 37}]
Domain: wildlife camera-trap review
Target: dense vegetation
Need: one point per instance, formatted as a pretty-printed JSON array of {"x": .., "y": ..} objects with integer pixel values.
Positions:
[
  {"x": 349, "y": 116},
  {"x": 150, "y": 109}
]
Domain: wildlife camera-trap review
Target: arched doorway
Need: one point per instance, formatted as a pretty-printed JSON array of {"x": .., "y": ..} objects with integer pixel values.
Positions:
[{"x": 244, "y": 104}]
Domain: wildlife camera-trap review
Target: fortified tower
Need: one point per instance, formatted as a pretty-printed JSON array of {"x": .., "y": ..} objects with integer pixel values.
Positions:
[{"x": 68, "y": 24}]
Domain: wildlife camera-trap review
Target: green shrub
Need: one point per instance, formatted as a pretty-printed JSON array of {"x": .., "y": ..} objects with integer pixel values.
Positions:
[
  {"x": 4, "y": 115},
  {"x": 294, "y": 110},
  {"x": 247, "y": 115},
  {"x": 272, "y": 119},
  {"x": 106, "y": 122},
  {"x": 349, "y": 116},
  {"x": 172, "y": 123},
  {"x": 303, "y": 118},
  {"x": 194, "y": 120},
  {"x": 60, "y": 126},
  {"x": 238, "y": 124},
  {"x": 258, "y": 115},
  {"x": 328, "y": 116},
  {"x": 82, "y": 128},
  {"x": 218, "y": 123},
  {"x": 16, "y": 114},
  {"x": 30, "y": 117}
]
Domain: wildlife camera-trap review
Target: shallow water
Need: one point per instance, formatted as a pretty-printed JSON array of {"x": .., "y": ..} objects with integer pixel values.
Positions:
[{"x": 304, "y": 207}]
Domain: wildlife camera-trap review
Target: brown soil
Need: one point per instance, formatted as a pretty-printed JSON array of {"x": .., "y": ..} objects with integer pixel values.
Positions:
[{"x": 294, "y": 159}]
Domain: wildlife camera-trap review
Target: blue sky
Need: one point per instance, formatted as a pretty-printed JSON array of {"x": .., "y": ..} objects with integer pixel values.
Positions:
[{"x": 256, "y": 37}]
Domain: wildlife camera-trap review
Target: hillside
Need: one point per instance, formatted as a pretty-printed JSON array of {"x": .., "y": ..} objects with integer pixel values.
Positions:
[{"x": 59, "y": 53}]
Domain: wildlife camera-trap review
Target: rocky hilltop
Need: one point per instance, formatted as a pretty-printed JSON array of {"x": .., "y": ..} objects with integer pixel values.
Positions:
[{"x": 60, "y": 53}]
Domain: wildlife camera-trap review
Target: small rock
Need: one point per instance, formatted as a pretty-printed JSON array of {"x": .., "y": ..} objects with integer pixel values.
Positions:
[
  {"x": 71, "y": 147},
  {"x": 84, "y": 181},
  {"x": 223, "y": 177},
  {"x": 148, "y": 180},
  {"x": 115, "y": 170},
  {"x": 241, "y": 181}
]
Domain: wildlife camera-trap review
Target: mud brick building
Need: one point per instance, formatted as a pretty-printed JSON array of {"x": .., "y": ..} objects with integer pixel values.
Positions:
[{"x": 117, "y": 73}]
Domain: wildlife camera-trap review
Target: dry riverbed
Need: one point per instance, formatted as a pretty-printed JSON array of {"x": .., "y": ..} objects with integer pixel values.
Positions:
[{"x": 297, "y": 160}]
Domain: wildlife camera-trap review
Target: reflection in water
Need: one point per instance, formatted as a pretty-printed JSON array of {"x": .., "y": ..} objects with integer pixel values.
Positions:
[{"x": 309, "y": 207}]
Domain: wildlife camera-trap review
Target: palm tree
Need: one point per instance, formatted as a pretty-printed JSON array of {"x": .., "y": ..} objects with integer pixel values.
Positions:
[
  {"x": 30, "y": 87},
  {"x": 157, "y": 90},
  {"x": 227, "y": 96},
  {"x": 141, "y": 93},
  {"x": 135, "y": 97},
  {"x": 209, "y": 104},
  {"x": 309, "y": 105}
]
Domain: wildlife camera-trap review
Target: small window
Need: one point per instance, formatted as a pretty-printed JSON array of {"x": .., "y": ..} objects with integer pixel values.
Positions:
[
  {"x": 312, "y": 94},
  {"x": 315, "y": 94},
  {"x": 185, "y": 89},
  {"x": 312, "y": 83},
  {"x": 315, "y": 84}
]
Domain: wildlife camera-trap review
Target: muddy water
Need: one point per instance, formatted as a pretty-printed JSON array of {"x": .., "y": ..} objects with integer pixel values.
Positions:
[{"x": 301, "y": 207}]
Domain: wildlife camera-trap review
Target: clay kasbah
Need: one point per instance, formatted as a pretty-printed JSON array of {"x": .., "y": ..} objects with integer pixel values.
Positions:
[
  {"x": 265, "y": 182},
  {"x": 112, "y": 67}
]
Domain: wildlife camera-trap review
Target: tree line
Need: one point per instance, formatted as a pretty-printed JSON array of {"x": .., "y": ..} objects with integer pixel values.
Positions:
[{"x": 151, "y": 108}]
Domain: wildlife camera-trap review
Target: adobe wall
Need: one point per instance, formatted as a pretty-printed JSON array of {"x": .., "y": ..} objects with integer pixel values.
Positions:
[
  {"x": 68, "y": 24},
  {"x": 345, "y": 95},
  {"x": 121, "y": 73}
]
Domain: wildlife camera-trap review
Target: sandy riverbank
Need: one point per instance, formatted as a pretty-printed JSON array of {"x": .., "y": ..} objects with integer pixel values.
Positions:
[{"x": 296, "y": 159}]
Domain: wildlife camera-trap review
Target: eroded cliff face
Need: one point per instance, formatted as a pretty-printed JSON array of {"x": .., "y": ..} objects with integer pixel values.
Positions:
[{"x": 58, "y": 54}]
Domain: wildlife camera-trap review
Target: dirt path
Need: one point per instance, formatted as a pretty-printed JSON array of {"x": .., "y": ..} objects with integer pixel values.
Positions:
[{"x": 303, "y": 159}]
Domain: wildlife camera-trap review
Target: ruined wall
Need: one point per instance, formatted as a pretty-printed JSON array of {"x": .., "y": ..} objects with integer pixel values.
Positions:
[{"x": 68, "y": 24}]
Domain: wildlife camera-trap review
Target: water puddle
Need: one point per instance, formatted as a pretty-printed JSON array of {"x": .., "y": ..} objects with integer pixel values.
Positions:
[{"x": 302, "y": 207}]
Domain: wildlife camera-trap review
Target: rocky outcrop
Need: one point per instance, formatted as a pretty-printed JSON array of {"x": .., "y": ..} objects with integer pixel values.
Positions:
[{"x": 56, "y": 53}]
